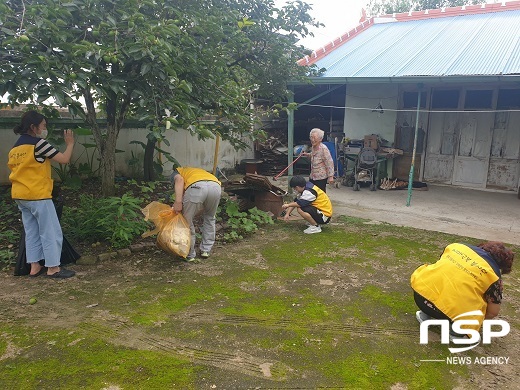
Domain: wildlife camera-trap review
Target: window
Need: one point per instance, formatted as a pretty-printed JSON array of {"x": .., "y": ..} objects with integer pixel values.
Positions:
[
  {"x": 410, "y": 99},
  {"x": 445, "y": 99},
  {"x": 508, "y": 98},
  {"x": 478, "y": 99}
]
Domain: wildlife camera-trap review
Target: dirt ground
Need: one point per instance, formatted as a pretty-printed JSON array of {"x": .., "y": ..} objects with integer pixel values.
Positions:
[{"x": 278, "y": 310}]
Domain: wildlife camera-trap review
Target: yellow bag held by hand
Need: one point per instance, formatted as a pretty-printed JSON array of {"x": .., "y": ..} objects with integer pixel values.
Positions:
[{"x": 173, "y": 231}]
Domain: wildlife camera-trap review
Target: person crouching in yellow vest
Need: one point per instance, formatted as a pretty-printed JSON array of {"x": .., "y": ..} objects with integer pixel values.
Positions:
[
  {"x": 311, "y": 203},
  {"x": 466, "y": 278}
]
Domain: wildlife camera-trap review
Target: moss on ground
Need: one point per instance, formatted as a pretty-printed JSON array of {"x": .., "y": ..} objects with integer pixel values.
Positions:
[
  {"x": 65, "y": 360},
  {"x": 280, "y": 309}
]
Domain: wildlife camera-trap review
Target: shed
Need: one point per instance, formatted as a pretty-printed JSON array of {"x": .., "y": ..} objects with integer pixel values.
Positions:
[{"x": 454, "y": 73}]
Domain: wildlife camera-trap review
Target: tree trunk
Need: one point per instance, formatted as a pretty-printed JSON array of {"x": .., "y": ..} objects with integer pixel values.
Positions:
[
  {"x": 108, "y": 162},
  {"x": 108, "y": 173},
  {"x": 149, "y": 172},
  {"x": 106, "y": 142}
]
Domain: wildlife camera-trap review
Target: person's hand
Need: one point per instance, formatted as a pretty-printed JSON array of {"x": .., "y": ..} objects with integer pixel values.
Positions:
[
  {"x": 285, "y": 206},
  {"x": 331, "y": 180},
  {"x": 68, "y": 136},
  {"x": 177, "y": 206}
]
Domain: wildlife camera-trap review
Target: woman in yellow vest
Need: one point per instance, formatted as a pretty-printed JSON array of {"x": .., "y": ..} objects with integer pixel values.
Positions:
[
  {"x": 466, "y": 278},
  {"x": 30, "y": 165}
]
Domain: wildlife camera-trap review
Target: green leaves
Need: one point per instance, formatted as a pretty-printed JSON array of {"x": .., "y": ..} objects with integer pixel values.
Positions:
[
  {"x": 145, "y": 68},
  {"x": 195, "y": 58},
  {"x": 245, "y": 22},
  {"x": 381, "y": 7},
  {"x": 240, "y": 223},
  {"x": 113, "y": 219}
]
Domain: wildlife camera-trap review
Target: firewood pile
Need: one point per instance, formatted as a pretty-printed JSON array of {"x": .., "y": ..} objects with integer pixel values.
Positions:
[
  {"x": 273, "y": 153},
  {"x": 397, "y": 184},
  {"x": 388, "y": 184}
]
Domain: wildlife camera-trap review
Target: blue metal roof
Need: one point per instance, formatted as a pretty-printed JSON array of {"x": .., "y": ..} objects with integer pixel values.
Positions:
[{"x": 486, "y": 44}]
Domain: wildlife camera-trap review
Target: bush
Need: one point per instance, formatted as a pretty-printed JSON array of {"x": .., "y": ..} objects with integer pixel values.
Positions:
[
  {"x": 116, "y": 220},
  {"x": 9, "y": 237},
  {"x": 240, "y": 223}
]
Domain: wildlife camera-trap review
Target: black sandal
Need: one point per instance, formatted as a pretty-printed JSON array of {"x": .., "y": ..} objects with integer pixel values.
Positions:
[
  {"x": 40, "y": 272},
  {"x": 62, "y": 274}
]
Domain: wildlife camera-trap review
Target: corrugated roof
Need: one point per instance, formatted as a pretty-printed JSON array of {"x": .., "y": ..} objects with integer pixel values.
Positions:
[{"x": 472, "y": 42}]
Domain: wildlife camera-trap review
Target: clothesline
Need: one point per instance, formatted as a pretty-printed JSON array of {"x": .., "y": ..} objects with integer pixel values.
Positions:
[{"x": 422, "y": 111}]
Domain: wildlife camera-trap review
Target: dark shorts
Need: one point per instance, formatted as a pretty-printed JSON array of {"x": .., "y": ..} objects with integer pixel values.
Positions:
[{"x": 316, "y": 214}]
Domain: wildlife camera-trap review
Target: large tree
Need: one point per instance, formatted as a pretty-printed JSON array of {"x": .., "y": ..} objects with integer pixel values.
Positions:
[
  {"x": 164, "y": 61},
  {"x": 383, "y": 7}
]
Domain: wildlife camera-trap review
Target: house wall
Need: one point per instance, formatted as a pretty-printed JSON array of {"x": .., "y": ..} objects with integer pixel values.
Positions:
[
  {"x": 359, "y": 119},
  {"x": 187, "y": 149},
  {"x": 473, "y": 140},
  {"x": 475, "y": 146}
]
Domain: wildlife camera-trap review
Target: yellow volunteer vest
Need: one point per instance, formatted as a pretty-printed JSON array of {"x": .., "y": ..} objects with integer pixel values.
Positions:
[
  {"x": 457, "y": 282},
  {"x": 322, "y": 202},
  {"x": 193, "y": 175},
  {"x": 30, "y": 179}
]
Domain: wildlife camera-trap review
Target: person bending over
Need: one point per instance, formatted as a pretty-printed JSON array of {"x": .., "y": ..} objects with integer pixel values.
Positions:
[
  {"x": 197, "y": 191},
  {"x": 466, "y": 278}
]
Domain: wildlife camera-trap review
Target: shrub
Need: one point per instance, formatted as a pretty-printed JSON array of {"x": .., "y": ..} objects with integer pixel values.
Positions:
[
  {"x": 116, "y": 220},
  {"x": 240, "y": 223},
  {"x": 9, "y": 237}
]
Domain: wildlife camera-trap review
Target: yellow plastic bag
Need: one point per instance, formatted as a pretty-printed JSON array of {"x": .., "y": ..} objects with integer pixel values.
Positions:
[{"x": 172, "y": 229}]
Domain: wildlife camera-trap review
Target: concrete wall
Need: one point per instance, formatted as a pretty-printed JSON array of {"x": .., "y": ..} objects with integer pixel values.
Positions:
[
  {"x": 359, "y": 122},
  {"x": 187, "y": 149}
]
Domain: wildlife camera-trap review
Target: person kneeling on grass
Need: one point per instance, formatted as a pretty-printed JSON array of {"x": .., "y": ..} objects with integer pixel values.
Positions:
[
  {"x": 311, "y": 203},
  {"x": 466, "y": 279}
]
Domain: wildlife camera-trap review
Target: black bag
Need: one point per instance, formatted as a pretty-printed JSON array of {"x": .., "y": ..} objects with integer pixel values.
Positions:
[{"x": 68, "y": 254}]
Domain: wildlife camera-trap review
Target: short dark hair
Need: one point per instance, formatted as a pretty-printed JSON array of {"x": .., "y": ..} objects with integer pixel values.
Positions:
[
  {"x": 28, "y": 119},
  {"x": 297, "y": 181}
]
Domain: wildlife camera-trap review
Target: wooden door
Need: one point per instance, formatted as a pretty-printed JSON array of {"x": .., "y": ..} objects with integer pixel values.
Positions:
[{"x": 473, "y": 149}]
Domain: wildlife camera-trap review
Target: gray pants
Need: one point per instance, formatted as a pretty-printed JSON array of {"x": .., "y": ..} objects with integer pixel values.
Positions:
[{"x": 202, "y": 196}]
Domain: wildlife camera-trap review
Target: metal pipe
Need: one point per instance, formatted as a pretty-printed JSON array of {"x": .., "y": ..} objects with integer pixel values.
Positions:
[
  {"x": 290, "y": 136},
  {"x": 412, "y": 166}
]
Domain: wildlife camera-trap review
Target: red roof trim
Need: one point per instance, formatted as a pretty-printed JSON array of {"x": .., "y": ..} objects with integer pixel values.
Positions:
[{"x": 407, "y": 16}]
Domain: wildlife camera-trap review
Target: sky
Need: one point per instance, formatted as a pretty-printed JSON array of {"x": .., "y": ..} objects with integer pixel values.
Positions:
[{"x": 338, "y": 16}]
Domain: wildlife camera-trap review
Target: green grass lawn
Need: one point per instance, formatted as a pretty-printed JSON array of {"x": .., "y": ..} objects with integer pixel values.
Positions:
[{"x": 279, "y": 309}]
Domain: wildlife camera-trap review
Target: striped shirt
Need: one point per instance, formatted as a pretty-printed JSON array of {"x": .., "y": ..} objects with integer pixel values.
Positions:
[{"x": 43, "y": 150}]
